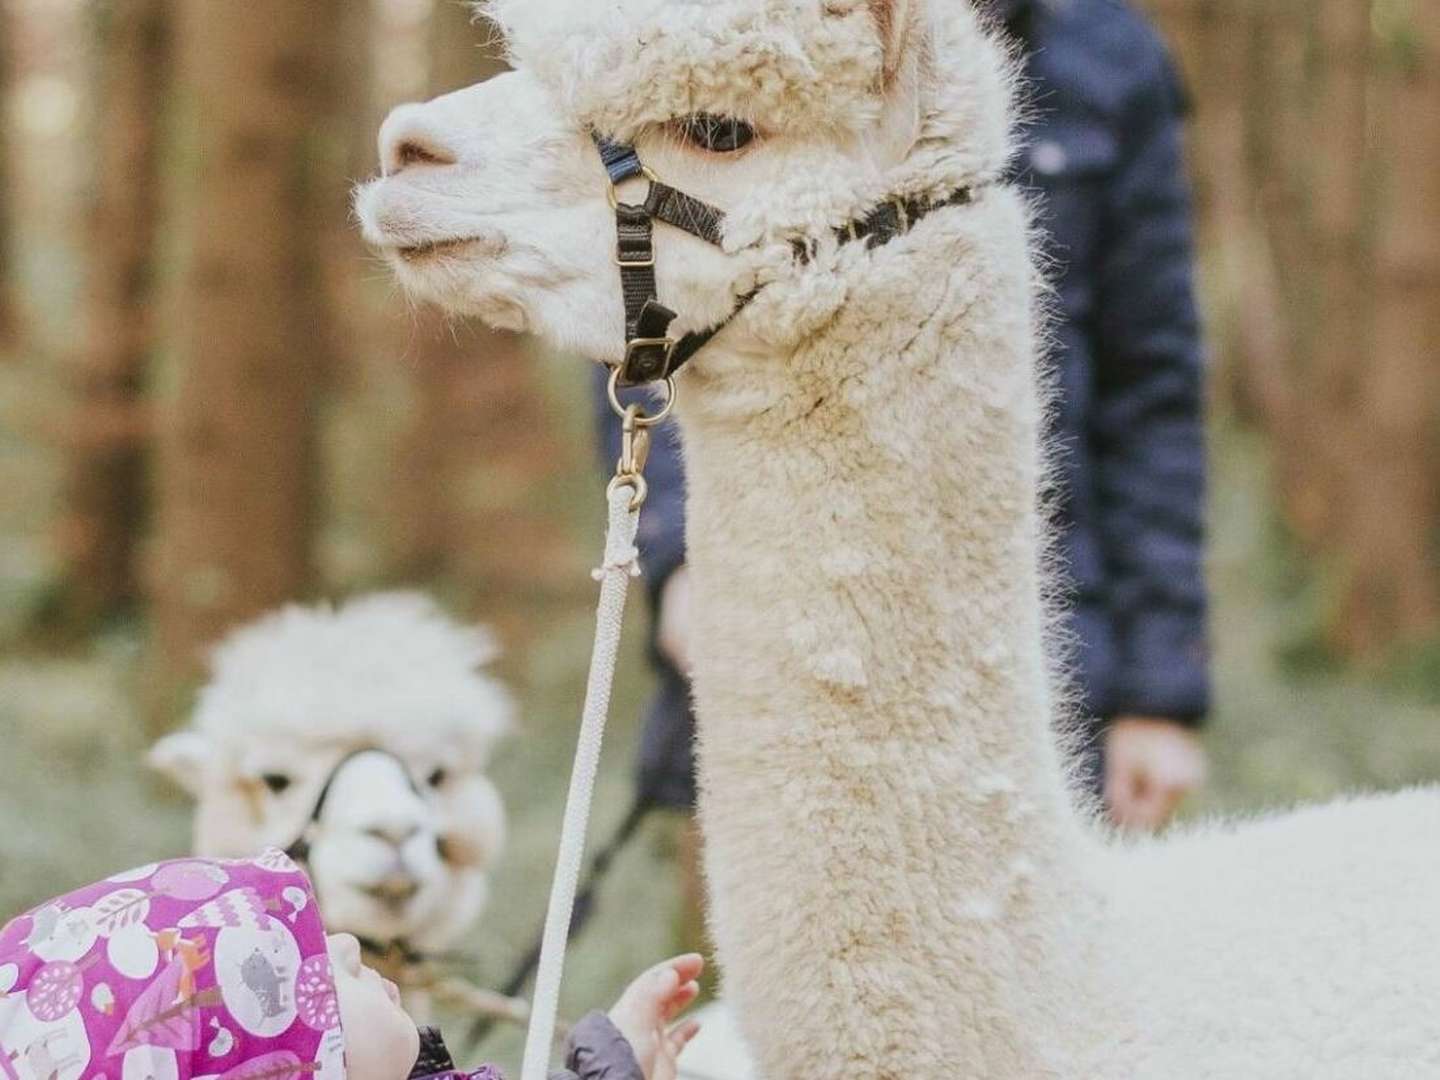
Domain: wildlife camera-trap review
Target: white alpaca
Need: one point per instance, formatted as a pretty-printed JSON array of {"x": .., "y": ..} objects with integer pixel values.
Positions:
[
  {"x": 901, "y": 886},
  {"x": 385, "y": 700}
]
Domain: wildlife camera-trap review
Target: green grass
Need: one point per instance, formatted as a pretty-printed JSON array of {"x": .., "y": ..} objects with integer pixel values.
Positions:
[{"x": 1284, "y": 732}]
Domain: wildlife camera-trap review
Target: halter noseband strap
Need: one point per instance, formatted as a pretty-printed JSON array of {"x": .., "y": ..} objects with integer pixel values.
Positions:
[{"x": 651, "y": 354}]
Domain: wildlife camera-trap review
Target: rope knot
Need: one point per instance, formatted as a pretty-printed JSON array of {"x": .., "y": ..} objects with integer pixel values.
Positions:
[{"x": 629, "y": 561}]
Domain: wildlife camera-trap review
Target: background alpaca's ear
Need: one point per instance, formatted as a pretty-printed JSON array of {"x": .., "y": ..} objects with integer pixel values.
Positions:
[
  {"x": 895, "y": 20},
  {"x": 182, "y": 757}
]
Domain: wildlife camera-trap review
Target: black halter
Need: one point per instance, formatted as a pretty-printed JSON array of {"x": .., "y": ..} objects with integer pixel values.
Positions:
[
  {"x": 651, "y": 354},
  {"x": 299, "y": 848}
]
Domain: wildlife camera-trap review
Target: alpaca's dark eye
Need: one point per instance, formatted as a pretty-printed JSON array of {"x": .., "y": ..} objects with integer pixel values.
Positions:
[
  {"x": 437, "y": 777},
  {"x": 278, "y": 783},
  {"x": 719, "y": 134}
]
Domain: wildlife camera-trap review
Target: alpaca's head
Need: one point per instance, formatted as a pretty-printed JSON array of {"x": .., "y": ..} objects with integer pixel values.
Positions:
[
  {"x": 493, "y": 201},
  {"x": 385, "y": 699}
]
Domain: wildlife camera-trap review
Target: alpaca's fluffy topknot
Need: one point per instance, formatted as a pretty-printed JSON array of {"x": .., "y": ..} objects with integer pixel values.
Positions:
[
  {"x": 618, "y": 65},
  {"x": 385, "y": 666}
]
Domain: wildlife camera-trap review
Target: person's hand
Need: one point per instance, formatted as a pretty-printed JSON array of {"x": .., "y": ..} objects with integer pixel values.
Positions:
[
  {"x": 648, "y": 1005},
  {"x": 672, "y": 634},
  {"x": 1151, "y": 764}
]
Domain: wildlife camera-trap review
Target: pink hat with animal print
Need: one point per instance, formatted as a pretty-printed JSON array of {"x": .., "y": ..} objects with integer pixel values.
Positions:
[{"x": 199, "y": 969}]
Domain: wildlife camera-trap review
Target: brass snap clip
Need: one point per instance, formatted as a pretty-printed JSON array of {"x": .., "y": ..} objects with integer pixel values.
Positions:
[{"x": 635, "y": 425}]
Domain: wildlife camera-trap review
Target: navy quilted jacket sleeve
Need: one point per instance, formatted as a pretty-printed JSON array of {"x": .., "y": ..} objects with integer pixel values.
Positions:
[{"x": 1146, "y": 423}]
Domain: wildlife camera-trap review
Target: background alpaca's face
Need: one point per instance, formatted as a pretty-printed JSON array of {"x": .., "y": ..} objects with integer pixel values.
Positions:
[
  {"x": 388, "y": 700},
  {"x": 402, "y": 848},
  {"x": 493, "y": 200}
]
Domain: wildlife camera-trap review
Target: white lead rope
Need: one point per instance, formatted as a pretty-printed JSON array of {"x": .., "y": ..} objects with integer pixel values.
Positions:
[{"x": 621, "y": 564}]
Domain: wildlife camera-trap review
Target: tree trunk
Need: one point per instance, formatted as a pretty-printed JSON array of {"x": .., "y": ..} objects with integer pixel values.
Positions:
[
  {"x": 1226, "y": 55},
  {"x": 1318, "y": 156},
  {"x": 481, "y": 434},
  {"x": 1390, "y": 492},
  {"x": 351, "y": 151},
  {"x": 1316, "y": 470},
  {"x": 9, "y": 310},
  {"x": 104, "y": 502},
  {"x": 237, "y": 470}
]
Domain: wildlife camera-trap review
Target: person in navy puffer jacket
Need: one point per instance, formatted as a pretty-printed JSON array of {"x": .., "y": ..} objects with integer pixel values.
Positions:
[{"x": 1103, "y": 153}]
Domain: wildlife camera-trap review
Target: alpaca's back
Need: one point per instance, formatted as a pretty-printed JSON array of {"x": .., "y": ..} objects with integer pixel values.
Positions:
[{"x": 1302, "y": 945}]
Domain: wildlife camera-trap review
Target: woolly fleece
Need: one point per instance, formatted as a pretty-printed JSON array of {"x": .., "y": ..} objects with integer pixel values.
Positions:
[
  {"x": 902, "y": 886},
  {"x": 790, "y": 66}
]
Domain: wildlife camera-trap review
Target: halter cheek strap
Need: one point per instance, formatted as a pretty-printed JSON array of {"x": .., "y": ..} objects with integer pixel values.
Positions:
[{"x": 651, "y": 354}]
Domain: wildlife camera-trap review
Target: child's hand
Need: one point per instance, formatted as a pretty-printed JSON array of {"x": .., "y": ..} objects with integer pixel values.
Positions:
[{"x": 647, "y": 1006}]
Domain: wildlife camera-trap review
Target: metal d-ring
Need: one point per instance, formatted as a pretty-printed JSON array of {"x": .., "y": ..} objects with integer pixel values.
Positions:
[
  {"x": 614, "y": 196},
  {"x": 643, "y": 420}
]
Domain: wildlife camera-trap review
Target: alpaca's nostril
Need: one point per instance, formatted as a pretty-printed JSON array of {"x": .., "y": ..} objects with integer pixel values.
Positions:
[
  {"x": 448, "y": 850},
  {"x": 395, "y": 889},
  {"x": 414, "y": 153},
  {"x": 410, "y": 139}
]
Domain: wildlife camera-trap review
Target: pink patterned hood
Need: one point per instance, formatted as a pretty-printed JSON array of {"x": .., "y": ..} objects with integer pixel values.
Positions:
[{"x": 199, "y": 969}]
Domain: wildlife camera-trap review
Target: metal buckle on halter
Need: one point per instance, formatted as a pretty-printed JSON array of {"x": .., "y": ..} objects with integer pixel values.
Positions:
[
  {"x": 633, "y": 264},
  {"x": 646, "y": 360}
]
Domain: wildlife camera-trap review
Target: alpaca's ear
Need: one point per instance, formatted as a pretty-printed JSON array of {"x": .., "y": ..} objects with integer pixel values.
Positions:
[
  {"x": 895, "y": 19},
  {"x": 182, "y": 757},
  {"x": 484, "y": 644}
]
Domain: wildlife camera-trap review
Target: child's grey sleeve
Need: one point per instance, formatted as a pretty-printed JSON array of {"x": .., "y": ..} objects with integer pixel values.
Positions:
[{"x": 597, "y": 1051}]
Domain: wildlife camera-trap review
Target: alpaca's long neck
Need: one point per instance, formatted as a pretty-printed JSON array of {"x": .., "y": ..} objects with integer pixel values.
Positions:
[{"x": 895, "y": 867}]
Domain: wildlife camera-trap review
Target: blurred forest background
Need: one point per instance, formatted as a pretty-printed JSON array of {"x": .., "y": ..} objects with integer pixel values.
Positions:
[{"x": 213, "y": 401}]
